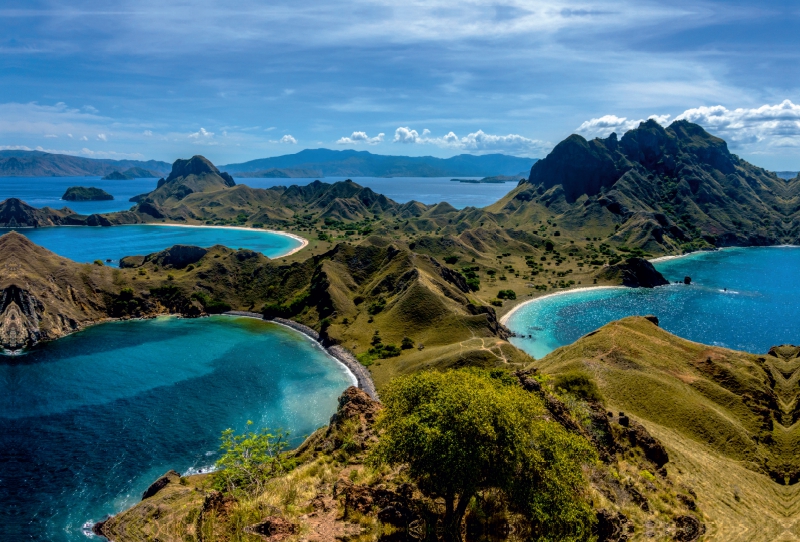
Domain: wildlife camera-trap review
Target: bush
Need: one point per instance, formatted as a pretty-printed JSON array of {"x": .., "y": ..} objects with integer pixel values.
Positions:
[
  {"x": 579, "y": 384},
  {"x": 250, "y": 460},
  {"x": 474, "y": 284},
  {"x": 464, "y": 431},
  {"x": 407, "y": 343},
  {"x": 99, "y": 262},
  {"x": 506, "y": 294},
  {"x": 450, "y": 259},
  {"x": 377, "y": 306},
  {"x": 496, "y": 302}
]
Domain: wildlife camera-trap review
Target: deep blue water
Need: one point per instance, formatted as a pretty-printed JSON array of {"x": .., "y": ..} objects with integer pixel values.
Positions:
[
  {"x": 426, "y": 190},
  {"x": 89, "y": 421},
  {"x": 743, "y": 298},
  {"x": 47, "y": 191},
  {"x": 87, "y": 244}
]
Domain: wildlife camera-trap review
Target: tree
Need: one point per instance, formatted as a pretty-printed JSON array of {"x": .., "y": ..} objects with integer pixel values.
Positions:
[
  {"x": 466, "y": 430},
  {"x": 250, "y": 459}
]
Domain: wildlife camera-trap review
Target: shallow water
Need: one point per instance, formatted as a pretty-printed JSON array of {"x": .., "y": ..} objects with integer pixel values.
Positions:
[
  {"x": 89, "y": 421},
  {"x": 742, "y": 298},
  {"x": 89, "y": 243}
]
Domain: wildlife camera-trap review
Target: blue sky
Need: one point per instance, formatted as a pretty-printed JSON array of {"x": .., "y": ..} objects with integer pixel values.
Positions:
[{"x": 247, "y": 79}]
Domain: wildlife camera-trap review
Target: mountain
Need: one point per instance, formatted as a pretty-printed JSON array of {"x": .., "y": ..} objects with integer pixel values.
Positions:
[
  {"x": 83, "y": 193},
  {"x": 661, "y": 189},
  {"x": 15, "y": 213},
  {"x": 43, "y": 164},
  {"x": 350, "y": 163}
]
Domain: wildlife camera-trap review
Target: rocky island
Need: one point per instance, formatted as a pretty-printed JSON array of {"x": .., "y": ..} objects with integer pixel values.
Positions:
[{"x": 82, "y": 193}]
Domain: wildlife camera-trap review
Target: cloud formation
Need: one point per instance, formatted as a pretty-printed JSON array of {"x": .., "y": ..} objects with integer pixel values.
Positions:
[
  {"x": 360, "y": 137},
  {"x": 477, "y": 142},
  {"x": 605, "y": 125},
  {"x": 288, "y": 139},
  {"x": 201, "y": 134}
]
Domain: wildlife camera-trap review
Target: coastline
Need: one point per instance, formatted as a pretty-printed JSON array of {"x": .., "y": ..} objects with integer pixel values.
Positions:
[
  {"x": 303, "y": 240},
  {"x": 360, "y": 374},
  {"x": 506, "y": 316}
]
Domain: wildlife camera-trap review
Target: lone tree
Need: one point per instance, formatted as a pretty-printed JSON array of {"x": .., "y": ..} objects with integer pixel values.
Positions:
[{"x": 468, "y": 430}]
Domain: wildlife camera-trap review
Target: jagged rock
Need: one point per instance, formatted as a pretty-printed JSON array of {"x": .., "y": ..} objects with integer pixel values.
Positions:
[
  {"x": 274, "y": 527},
  {"x": 688, "y": 529},
  {"x": 652, "y": 448},
  {"x": 169, "y": 478}
]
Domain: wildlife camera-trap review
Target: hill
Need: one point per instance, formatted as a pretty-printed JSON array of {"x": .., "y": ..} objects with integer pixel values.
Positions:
[
  {"x": 350, "y": 163},
  {"x": 42, "y": 164},
  {"x": 660, "y": 189},
  {"x": 131, "y": 173},
  {"x": 727, "y": 419}
]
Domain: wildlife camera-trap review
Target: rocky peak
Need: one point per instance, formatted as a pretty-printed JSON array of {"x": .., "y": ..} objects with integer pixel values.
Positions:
[{"x": 196, "y": 165}]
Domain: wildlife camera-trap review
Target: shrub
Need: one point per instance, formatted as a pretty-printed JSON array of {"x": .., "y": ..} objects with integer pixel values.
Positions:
[
  {"x": 450, "y": 259},
  {"x": 407, "y": 343},
  {"x": 579, "y": 384},
  {"x": 250, "y": 460},
  {"x": 99, "y": 262},
  {"x": 464, "y": 431},
  {"x": 377, "y": 306},
  {"x": 496, "y": 302},
  {"x": 506, "y": 294},
  {"x": 474, "y": 284}
]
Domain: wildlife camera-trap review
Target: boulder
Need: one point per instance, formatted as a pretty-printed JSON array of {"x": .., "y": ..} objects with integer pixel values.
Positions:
[{"x": 635, "y": 273}]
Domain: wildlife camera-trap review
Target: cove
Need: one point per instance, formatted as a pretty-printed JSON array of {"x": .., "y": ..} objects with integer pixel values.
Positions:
[
  {"x": 740, "y": 298},
  {"x": 89, "y": 421},
  {"x": 89, "y": 243}
]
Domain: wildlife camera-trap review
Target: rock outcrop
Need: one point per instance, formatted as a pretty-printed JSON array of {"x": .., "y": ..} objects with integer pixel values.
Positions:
[
  {"x": 633, "y": 272},
  {"x": 15, "y": 213}
]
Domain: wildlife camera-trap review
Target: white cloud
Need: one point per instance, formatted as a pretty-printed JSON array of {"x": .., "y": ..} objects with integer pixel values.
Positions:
[
  {"x": 754, "y": 129},
  {"x": 603, "y": 126},
  {"x": 102, "y": 137},
  {"x": 51, "y": 136},
  {"x": 360, "y": 137},
  {"x": 477, "y": 142},
  {"x": 773, "y": 125},
  {"x": 147, "y": 133},
  {"x": 69, "y": 136},
  {"x": 288, "y": 139},
  {"x": 84, "y": 138},
  {"x": 201, "y": 134}
]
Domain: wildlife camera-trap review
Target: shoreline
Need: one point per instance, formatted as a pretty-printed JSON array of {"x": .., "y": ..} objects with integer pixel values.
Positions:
[
  {"x": 506, "y": 316},
  {"x": 359, "y": 373},
  {"x": 303, "y": 241}
]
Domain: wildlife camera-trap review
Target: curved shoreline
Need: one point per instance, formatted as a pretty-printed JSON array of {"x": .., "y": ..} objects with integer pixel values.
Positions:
[
  {"x": 303, "y": 240},
  {"x": 506, "y": 316},
  {"x": 360, "y": 374}
]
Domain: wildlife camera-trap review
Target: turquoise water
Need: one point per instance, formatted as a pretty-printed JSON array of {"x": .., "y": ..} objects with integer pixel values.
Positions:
[
  {"x": 86, "y": 243},
  {"x": 742, "y": 298},
  {"x": 89, "y": 421}
]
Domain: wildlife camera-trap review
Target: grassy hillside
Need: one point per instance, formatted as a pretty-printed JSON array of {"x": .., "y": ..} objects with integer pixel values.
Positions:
[{"x": 728, "y": 419}]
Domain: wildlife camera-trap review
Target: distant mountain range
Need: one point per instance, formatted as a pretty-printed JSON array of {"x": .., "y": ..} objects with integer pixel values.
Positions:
[
  {"x": 44, "y": 164},
  {"x": 349, "y": 163},
  {"x": 307, "y": 163}
]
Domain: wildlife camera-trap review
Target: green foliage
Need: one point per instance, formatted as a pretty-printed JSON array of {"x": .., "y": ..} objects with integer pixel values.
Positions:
[
  {"x": 250, "y": 459},
  {"x": 450, "y": 259},
  {"x": 377, "y": 306},
  {"x": 407, "y": 343},
  {"x": 99, "y": 262},
  {"x": 578, "y": 384},
  {"x": 506, "y": 294},
  {"x": 270, "y": 310},
  {"x": 211, "y": 306},
  {"x": 496, "y": 303},
  {"x": 463, "y": 431}
]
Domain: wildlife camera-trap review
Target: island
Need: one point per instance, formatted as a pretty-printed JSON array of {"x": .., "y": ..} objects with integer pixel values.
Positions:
[
  {"x": 83, "y": 193},
  {"x": 496, "y": 179},
  {"x": 130, "y": 174}
]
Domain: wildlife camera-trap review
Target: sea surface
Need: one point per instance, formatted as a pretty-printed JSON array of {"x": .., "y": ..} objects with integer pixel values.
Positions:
[
  {"x": 87, "y": 244},
  {"x": 740, "y": 298},
  {"x": 89, "y": 421},
  {"x": 47, "y": 191}
]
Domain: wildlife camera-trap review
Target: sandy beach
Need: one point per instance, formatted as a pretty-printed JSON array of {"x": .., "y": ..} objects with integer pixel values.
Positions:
[
  {"x": 303, "y": 240},
  {"x": 506, "y": 316}
]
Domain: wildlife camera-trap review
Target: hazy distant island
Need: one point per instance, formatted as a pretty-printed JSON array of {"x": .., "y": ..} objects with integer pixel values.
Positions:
[
  {"x": 44, "y": 164},
  {"x": 83, "y": 193},
  {"x": 496, "y": 179},
  {"x": 130, "y": 174}
]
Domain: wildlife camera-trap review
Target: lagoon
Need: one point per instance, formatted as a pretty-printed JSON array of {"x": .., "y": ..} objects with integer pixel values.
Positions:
[
  {"x": 90, "y": 243},
  {"x": 740, "y": 298},
  {"x": 89, "y": 421}
]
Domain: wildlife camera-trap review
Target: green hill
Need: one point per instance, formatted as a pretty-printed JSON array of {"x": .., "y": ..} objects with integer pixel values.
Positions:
[{"x": 83, "y": 193}]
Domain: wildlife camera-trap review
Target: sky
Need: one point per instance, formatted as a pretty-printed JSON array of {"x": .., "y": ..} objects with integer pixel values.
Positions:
[{"x": 241, "y": 80}]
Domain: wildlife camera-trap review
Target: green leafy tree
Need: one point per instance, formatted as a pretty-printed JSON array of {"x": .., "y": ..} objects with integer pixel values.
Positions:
[
  {"x": 250, "y": 459},
  {"x": 467, "y": 430}
]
